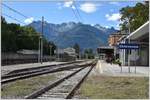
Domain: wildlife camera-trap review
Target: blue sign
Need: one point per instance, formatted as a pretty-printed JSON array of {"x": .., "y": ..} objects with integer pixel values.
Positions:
[{"x": 128, "y": 46}]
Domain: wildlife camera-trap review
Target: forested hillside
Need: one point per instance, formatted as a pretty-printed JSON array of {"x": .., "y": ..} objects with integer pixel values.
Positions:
[{"x": 15, "y": 37}]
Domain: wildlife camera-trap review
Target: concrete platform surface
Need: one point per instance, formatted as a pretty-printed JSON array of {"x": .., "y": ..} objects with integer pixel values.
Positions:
[{"x": 103, "y": 68}]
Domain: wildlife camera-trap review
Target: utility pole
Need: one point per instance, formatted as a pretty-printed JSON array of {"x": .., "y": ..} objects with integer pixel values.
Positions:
[
  {"x": 39, "y": 51},
  {"x": 129, "y": 42},
  {"x": 41, "y": 38}
]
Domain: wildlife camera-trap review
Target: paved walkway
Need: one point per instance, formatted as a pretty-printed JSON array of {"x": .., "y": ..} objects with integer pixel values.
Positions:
[{"x": 103, "y": 68}]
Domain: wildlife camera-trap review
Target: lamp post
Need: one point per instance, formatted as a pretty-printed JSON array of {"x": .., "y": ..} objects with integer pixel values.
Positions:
[{"x": 129, "y": 42}]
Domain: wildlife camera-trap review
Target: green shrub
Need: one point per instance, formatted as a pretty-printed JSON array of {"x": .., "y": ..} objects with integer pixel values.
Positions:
[{"x": 117, "y": 61}]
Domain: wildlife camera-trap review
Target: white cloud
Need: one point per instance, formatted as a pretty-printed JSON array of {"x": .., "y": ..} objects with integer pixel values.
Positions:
[
  {"x": 107, "y": 15},
  {"x": 68, "y": 3},
  {"x": 88, "y": 7},
  {"x": 113, "y": 17},
  {"x": 114, "y": 3},
  {"x": 29, "y": 20},
  {"x": 59, "y": 5},
  {"x": 73, "y": 7},
  {"x": 118, "y": 26}
]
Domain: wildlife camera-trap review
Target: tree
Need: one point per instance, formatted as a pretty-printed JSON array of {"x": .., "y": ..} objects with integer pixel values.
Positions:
[
  {"x": 8, "y": 36},
  {"x": 27, "y": 38},
  {"x": 3, "y": 20},
  {"x": 136, "y": 16},
  {"x": 53, "y": 47},
  {"x": 48, "y": 47},
  {"x": 16, "y": 37},
  {"x": 88, "y": 53}
]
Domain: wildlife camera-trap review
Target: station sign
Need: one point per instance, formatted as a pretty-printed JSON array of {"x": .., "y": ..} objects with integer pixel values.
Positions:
[{"x": 128, "y": 46}]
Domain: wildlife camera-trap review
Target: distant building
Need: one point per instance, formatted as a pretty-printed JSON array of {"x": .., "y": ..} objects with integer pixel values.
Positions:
[
  {"x": 66, "y": 54},
  {"x": 28, "y": 52},
  {"x": 113, "y": 38},
  {"x": 113, "y": 41},
  {"x": 70, "y": 51}
]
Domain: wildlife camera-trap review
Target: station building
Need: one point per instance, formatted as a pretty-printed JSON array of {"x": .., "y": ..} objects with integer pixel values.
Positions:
[
  {"x": 67, "y": 54},
  {"x": 113, "y": 38},
  {"x": 113, "y": 41},
  {"x": 138, "y": 57},
  {"x": 105, "y": 52}
]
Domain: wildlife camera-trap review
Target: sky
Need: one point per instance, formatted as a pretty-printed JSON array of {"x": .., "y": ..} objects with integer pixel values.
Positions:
[{"x": 105, "y": 13}]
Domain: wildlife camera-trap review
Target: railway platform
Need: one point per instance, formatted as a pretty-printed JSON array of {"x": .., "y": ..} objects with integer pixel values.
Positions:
[{"x": 103, "y": 68}]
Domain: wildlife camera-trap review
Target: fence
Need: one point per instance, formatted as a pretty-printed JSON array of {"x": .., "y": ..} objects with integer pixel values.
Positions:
[{"x": 16, "y": 58}]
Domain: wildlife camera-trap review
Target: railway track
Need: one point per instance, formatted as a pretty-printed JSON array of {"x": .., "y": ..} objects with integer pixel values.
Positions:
[
  {"x": 31, "y": 73},
  {"x": 64, "y": 87},
  {"x": 40, "y": 67},
  {"x": 26, "y": 71}
]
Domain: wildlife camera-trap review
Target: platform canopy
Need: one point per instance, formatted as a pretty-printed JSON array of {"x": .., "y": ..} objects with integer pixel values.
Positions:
[
  {"x": 141, "y": 31},
  {"x": 105, "y": 49}
]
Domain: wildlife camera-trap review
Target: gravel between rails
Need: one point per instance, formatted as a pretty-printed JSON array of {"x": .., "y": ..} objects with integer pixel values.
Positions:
[{"x": 4, "y": 81}]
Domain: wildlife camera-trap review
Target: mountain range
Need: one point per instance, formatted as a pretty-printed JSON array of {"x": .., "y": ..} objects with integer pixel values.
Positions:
[{"x": 67, "y": 34}]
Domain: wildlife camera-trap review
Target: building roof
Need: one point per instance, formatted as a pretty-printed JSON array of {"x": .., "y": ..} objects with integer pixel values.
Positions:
[
  {"x": 123, "y": 37},
  {"x": 69, "y": 50},
  {"x": 25, "y": 51},
  {"x": 114, "y": 33},
  {"x": 105, "y": 47}
]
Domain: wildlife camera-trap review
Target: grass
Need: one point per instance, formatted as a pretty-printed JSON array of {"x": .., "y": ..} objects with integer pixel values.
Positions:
[
  {"x": 105, "y": 87},
  {"x": 21, "y": 88}
]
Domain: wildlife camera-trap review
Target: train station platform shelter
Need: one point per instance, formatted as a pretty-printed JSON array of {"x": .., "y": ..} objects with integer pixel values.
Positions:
[
  {"x": 138, "y": 57},
  {"x": 105, "y": 51}
]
